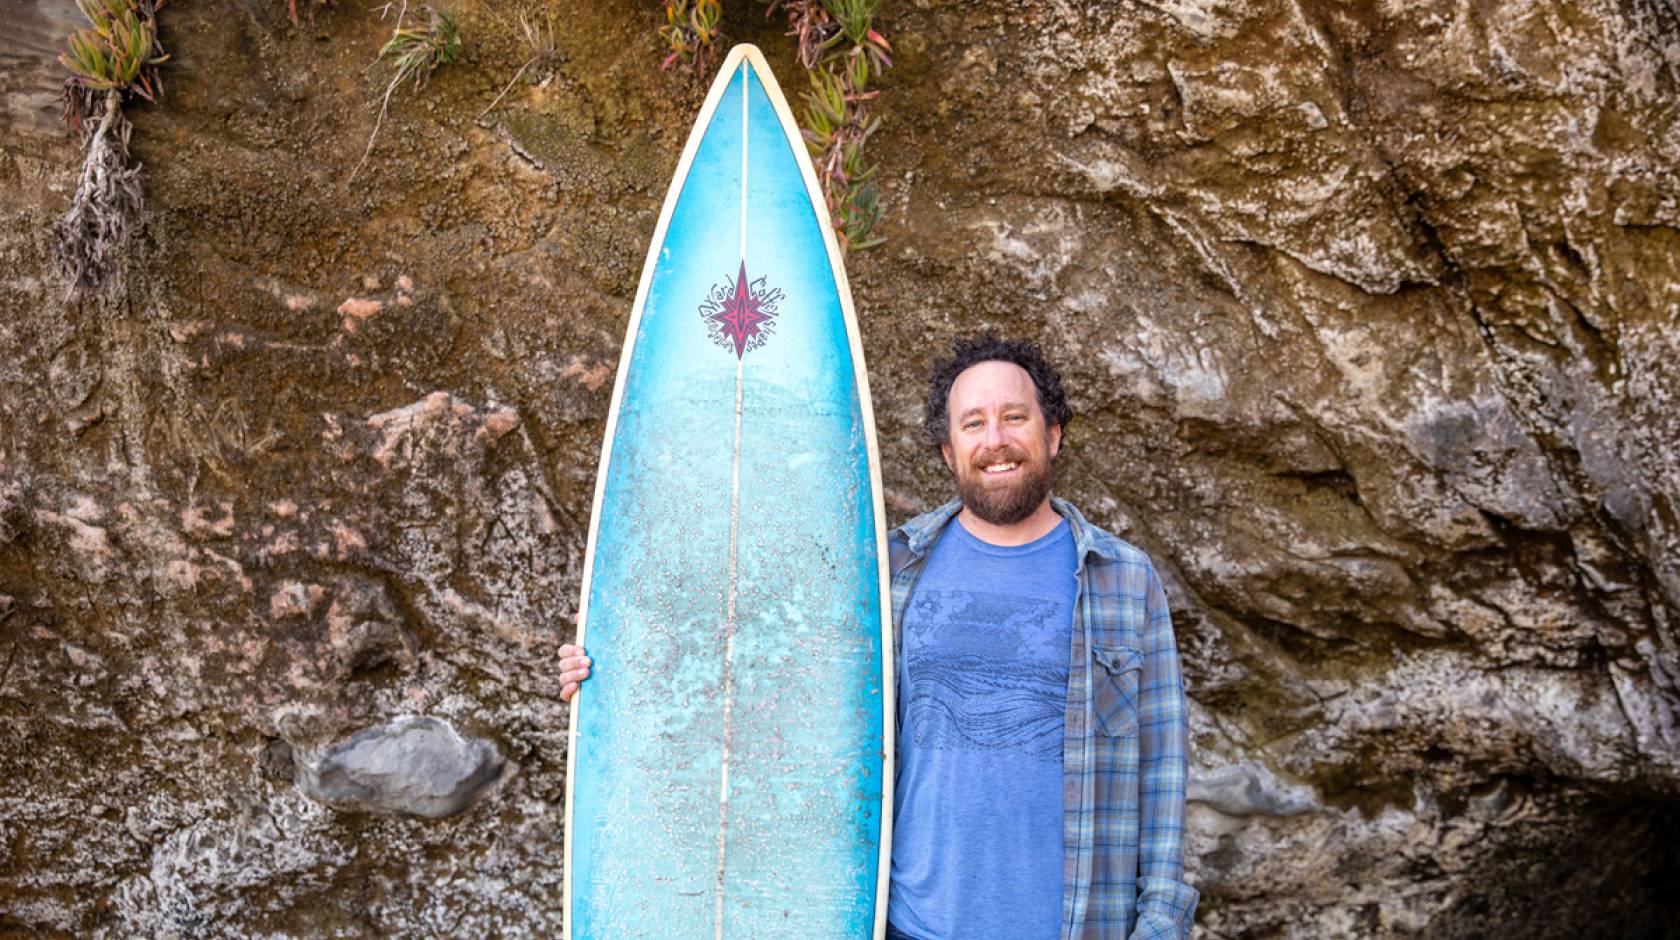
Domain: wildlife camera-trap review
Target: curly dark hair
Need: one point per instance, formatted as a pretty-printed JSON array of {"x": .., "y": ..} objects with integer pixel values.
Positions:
[{"x": 987, "y": 347}]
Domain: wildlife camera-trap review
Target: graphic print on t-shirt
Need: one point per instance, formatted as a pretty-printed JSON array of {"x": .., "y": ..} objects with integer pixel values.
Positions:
[{"x": 993, "y": 677}]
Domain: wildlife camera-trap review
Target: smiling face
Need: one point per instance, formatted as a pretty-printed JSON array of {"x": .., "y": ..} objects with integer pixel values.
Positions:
[{"x": 1000, "y": 447}]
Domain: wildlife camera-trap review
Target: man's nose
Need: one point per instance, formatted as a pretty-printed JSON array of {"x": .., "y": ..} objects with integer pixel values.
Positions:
[{"x": 994, "y": 434}]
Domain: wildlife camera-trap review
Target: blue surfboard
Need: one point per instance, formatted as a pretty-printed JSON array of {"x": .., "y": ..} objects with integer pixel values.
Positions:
[{"x": 730, "y": 765}]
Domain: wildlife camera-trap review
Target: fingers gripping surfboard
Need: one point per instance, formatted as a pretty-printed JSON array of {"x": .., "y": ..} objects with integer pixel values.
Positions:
[{"x": 730, "y": 760}]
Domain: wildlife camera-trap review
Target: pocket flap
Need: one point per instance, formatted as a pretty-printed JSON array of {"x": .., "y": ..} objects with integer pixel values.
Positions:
[{"x": 1119, "y": 659}]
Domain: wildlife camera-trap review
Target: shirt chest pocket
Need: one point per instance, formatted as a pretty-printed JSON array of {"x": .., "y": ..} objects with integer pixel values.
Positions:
[{"x": 1116, "y": 676}]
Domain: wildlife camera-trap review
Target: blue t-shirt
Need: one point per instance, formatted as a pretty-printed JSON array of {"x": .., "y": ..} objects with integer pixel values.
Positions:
[{"x": 977, "y": 831}]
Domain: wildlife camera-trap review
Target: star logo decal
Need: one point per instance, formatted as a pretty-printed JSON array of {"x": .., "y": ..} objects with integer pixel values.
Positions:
[{"x": 740, "y": 313}]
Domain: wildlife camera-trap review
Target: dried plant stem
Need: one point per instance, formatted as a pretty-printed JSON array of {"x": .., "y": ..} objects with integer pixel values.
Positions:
[
  {"x": 384, "y": 105},
  {"x": 414, "y": 53},
  {"x": 385, "y": 102},
  {"x": 508, "y": 87},
  {"x": 107, "y": 200}
]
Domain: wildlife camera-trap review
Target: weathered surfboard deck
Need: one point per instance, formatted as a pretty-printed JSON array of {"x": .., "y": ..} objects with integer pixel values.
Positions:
[{"x": 730, "y": 760}]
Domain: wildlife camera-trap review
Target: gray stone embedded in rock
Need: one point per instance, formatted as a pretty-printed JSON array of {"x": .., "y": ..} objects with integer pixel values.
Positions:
[
  {"x": 1248, "y": 790},
  {"x": 418, "y": 766}
]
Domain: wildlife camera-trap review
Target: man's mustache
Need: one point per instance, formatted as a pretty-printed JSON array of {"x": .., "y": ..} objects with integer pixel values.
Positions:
[{"x": 1001, "y": 455}]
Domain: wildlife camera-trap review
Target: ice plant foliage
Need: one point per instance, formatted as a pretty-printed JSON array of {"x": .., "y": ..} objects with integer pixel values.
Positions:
[
  {"x": 691, "y": 32},
  {"x": 118, "y": 50},
  {"x": 844, "y": 52},
  {"x": 838, "y": 42}
]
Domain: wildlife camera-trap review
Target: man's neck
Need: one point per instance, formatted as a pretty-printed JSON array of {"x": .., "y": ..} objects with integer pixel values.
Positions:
[{"x": 1035, "y": 526}]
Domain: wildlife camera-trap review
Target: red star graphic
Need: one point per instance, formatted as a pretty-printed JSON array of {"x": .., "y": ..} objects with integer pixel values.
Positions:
[{"x": 740, "y": 316}]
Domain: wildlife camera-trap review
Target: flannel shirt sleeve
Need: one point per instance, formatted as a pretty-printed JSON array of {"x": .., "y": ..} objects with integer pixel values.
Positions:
[{"x": 1166, "y": 903}]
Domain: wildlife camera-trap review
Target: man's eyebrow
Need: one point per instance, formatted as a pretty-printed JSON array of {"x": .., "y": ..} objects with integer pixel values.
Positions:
[{"x": 1007, "y": 406}]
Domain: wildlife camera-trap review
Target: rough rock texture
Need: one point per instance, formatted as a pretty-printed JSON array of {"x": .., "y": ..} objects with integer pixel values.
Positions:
[{"x": 1370, "y": 313}]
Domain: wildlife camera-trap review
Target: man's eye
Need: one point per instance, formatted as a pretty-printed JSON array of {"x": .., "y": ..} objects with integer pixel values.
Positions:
[
  {"x": 1017, "y": 418},
  {"x": 970, "y": 425}
]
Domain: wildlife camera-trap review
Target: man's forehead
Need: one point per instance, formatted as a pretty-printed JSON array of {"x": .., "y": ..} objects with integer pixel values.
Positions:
[
  {"x": 991, "y": 385},
  {"x": 973, "y": 404},
  {"x": 992, "y": 380}
]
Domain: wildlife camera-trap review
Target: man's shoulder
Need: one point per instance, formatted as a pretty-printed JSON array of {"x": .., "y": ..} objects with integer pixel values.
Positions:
[
  {"x": 1096, "y": 543},
  {"x": 918, "y": 531}
]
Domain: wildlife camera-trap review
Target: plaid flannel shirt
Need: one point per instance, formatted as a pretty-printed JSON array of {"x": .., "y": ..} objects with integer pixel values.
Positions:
[{"x": 1124, "y": 744}]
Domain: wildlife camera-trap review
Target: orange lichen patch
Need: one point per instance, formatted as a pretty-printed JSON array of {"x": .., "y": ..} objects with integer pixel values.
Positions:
[
  {"x": 591, "y": 378},
  {"x": 357, "y": 309}
]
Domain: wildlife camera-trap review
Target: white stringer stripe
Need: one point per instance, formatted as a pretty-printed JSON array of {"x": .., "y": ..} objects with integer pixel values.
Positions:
[
  {"x": 734, "y": 545},
  {"x": 744, "y": 75}
]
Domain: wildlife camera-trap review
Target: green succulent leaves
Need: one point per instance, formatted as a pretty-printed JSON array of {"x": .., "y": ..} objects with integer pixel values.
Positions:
[{"x": 118, "y": 51}]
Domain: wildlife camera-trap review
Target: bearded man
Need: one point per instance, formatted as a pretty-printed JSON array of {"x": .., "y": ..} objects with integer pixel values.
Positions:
[{"x": 1042, "y": 742}]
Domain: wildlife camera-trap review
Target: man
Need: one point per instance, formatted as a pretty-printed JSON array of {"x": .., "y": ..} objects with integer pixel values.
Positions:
[{"x": 1041, "y": 747}]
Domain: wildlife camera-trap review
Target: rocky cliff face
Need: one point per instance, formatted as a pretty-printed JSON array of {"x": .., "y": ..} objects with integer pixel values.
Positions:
[{"x": 1371, "y": 313}]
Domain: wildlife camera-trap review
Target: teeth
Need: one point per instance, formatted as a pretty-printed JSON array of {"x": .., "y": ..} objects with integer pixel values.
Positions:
[{"x": 1000, "y": 467}]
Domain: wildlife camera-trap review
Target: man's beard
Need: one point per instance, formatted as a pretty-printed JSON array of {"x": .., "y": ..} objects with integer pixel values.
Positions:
[{"x": 1005, "y": 505}]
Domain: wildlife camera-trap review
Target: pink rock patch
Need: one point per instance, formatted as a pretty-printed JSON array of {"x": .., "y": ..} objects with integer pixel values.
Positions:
[
  {"x": 356, "y": 309},
  {"x": 591, "y": 378},
  {"x": 283, "y": 544},
  {"x": 295, "y": 599},
  {"x": 346, "y": 540},
  {"x": 197, "y": 521},
  {"x": 497, "y": 423}
]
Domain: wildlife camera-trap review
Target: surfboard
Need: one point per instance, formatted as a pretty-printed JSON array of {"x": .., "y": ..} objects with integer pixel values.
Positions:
[{"x": 730, "y": 759}]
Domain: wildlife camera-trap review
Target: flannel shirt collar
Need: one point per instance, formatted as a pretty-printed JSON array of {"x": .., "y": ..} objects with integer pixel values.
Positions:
[{"x": 921, "y": 532}]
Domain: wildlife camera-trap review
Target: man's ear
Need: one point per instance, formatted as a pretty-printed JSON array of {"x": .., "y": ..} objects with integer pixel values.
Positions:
[
  {"x": 1055, "y": 440},
  {"x": 946, "y": 452}
]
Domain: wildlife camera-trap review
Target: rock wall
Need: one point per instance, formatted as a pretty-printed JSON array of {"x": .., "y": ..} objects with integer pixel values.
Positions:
[{"x": 1369, "y": 312}]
